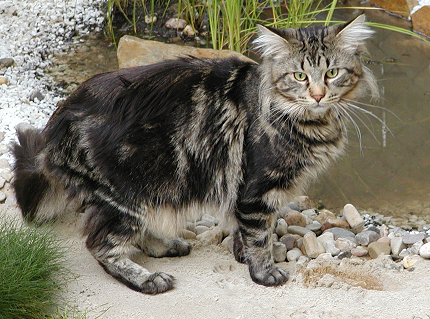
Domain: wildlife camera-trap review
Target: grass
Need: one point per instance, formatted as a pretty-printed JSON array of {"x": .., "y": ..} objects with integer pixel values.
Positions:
[
  {"x": 233, "y": 23},
  {"x": 32, "y": 272}
]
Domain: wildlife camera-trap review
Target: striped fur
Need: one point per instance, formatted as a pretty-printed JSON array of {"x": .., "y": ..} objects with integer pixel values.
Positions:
[{"x": 140, "y": 151}]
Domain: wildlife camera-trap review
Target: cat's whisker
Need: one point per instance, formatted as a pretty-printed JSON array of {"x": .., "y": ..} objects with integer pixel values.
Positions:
[
  {"x": 371, "y": 130},
  {"x": 357, "y": 128},
  {"x": 375, "y": 106}
]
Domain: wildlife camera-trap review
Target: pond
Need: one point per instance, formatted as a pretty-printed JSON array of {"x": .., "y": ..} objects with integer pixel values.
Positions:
[{"x": 387, "y": 170}]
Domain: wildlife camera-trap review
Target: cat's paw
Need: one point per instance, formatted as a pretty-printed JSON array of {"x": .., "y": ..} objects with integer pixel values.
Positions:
[
  {"x": 156, "y": 283},
  {"x": 179, "y": 248},
  {"x": 270, "y": 276}
]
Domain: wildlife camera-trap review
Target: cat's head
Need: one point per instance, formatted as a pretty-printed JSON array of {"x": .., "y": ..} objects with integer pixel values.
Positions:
[{"x": 316, "y": 69}]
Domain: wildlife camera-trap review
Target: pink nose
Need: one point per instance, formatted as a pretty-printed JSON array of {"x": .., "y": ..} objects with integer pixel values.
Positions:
[{"x": 318, "y": 97}]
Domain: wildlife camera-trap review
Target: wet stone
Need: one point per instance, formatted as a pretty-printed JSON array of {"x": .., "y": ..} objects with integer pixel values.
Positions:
[
  {"x": 409, "y": 239},
  {"x": 295, "y": 218},
  {"x": 376, "y": 249},
  {"x": 279, "y": 252},
  {"x": 298, "y": 230},
  {"x": 366, "y": 237}
]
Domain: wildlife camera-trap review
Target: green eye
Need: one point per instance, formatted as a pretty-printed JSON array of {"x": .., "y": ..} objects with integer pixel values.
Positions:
[
  {"x": 332, "y": 73},
  {"x": 299, "y": 76}
]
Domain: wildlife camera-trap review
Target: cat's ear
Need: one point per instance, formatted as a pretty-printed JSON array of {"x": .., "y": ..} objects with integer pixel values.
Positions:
[
  {"x": 353, "y": 34},
  {"x": 270, "y": 41}
]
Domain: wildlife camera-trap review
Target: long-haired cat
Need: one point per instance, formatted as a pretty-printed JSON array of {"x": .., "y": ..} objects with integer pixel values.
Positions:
[{"x": 142, "y": 150}]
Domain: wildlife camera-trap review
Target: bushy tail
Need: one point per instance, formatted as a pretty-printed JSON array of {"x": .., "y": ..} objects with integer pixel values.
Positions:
[{"x": 29, "y": 183}]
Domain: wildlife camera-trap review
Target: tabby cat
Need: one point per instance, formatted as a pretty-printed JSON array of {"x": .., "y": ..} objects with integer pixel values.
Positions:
[{"x": 140, "y": 151}]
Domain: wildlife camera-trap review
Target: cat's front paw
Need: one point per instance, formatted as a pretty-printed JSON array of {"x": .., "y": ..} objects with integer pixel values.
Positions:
[
  {"x": 268, "y": 276},
  {"x": 156, "y": 283}
]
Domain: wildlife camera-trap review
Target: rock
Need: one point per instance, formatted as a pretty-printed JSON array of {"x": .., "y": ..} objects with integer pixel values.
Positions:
[
  {"x": 289, "y": 241},
  {"x": 400, "y": 7},
  {"x": 210, "y": 218},
  {"x": 303, "y": 202},
  {"x": 2, "y": 196},
  {"x": 409, "y": 239},
  {"x": 310, "y": 214},
  {"x": 150, "y": 19},
  {"x": 133, "y": 51},
  {"x": 228, "y": 243},
  {"x": 359, "y": 252},
  {"x": 376, "y": 249},
  {"x": 366, "y": 237},
  {"x": 315, "y": 227},
  {"x": 211, "y": 236},
  {"x": 421, "y": 21},
  {"x": 191, "y": 227},
  {"x": 3, "y": 80},
  {"x": 344, "y": 254},
  {"x": 353, "y": 217},
  {"x": 175, "y": 23},
  {"x": 325, "y": 237},
  {"x": 338, "y": 222},
  {"x": 415, "y": 248},
  {"x": 294, "y": 218},
  {"x": 330, "y": 247},
  {"x": 283, "y": 211},
  {"x": 274, "y": 238},
  {"x": 341, "y": 233},
  {"x": 298, "y": 230},
  {"x": 7, "y": 174},
  {"x": 281, "y": 227},
  {"x": 6, "y": 62},
  {"x": 425, "y": 251},
  {"x": 324, "y": 215},
  {"x": 36, "y": 95},
  {"x": 294, "y": 254},
  {"x": 385, "y": 240},
  {"x": 409, "y": 261},
  {"x": 2, "y": 182},
  {"x": 206, "y": 223},
  {"x": 312, "y": 245},
  {"x": 293, "y": 206},
  {"x": 397, "y": 245},
  {"x": 187, "y": 234},
  {"x": 345, "y": 244},
  {"x": 279, "y": 252},
  {"x": 201, "y": 229},
  {"x": 189, "y": 31}
]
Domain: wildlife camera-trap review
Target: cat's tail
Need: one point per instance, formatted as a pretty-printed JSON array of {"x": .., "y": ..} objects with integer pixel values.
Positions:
[{"x": 34, "y": 192}]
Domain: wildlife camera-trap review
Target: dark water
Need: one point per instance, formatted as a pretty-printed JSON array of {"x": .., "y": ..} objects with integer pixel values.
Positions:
[{"x": 388, "y": 173}]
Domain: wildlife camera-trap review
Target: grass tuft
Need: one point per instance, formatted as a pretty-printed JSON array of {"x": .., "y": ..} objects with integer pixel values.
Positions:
[{"x": 32, "y": 272}]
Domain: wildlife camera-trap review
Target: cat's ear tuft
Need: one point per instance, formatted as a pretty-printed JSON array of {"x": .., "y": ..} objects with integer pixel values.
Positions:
[
  {"x": 352, "y": 35},
  {"x": 270, "y": 41}
]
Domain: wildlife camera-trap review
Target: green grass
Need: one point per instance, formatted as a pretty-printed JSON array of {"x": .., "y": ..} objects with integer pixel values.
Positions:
[{"x": 32, "y": 271}]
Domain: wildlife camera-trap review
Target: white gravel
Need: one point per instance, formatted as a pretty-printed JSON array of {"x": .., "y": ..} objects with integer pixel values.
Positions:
[{"x": 31, "y": 33}]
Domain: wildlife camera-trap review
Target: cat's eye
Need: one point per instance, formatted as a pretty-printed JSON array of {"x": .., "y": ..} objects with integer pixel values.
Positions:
[
  {"x": 332, "y": 73},
  {"x": 299, "y": 76}
]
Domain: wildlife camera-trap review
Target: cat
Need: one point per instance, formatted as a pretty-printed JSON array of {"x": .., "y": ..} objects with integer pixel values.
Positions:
[{"x": 140, "y": 151}]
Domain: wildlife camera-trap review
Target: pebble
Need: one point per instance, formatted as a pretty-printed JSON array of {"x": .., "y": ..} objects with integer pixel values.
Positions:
[
  {"x": 353, "y": 217},
  {"x": 314, "y": 226},
  {"x": 3, "y": 80},
  {"x": 415, "y": 248},
  {"x": 189, "y": 31},
  {"x": 2, "y": 196},
  {"x": 366, "y": 237},
  {"x": 293, "y": 206},
  {"x": 294, "y": 254},
  {"x": 313, "y": 246},
  {"x": 303, "y": 202},
  {"x": 6, "y": 62},
  {"x": 409, "y": 261},
  {"x": 324, "y": 215},
  {"x": 341, "y": 233},
  {"x": 298, "y": 230},
  {"x": 150, "y": 19},
  {"x": 206, "y": 223},
  {"x": 409, "y": 239},
  {"x": 2, "y": 182},
  {"x": 345, "y": 244},
  {"x": 425, "y": 251},
  {"x": 338, "y": 222},
  {"x": 201, "y": 229},
  {"x": 295, "y": 218},
  {"x": 187, "y": 234},
  {"x": 213, "y": 236},
  {"x": 397, "y": 245},
  {"x": 330, "y": 247},
  {"x": 279, "y": 252},
  {"x": 376, "y": 249},
  {"x": 175, "y": 23},
  {"x": 281, "y": 227},
  {"x": 325, "y": 237},
  {"x": 36, "y": 94},
  {"x": 289, "y": 241},
  {"x": 359, "y": 252},
  {"x": 283, "y": 211},
  {"x": 384, "y": 240}
]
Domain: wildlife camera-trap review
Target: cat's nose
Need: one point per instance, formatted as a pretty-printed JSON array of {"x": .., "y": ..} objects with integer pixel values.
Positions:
[{"x": 317, "y": 97}]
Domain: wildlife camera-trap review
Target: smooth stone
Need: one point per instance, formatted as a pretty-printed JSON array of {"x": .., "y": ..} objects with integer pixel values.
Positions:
[
  {"x": 6, "y": 62},
  {"x": 313, "y": 246},
  {"x": 295, "y": 218},
  {"x": 275, "y": 238},
  {"x": 339, "y": 232},
  {"x": 279, "y": 252},
  {"x": 385, "y": 240},
  {"x": 397, "y": 245},
  {"x": 409, "y": 261},
  {"x": 36, "y": 94},
  {"x": 2, "y": 182},
  {"x": 375, "y": 229},
  {"x": 415, "y": 248},
  {"x": 298, "y": 230},
  {"x": 206, "y": 223},
  {"x": 324, "y": 215},
  {"x": 187, "y": 234},
  {"x": 330, "y": 247},
  {"x": 191, "y": 227},
  {"x": 293, "y": 206},
  {"x": 353, "y": 217},
  {"x": 325, "y": 237},
  {"x": 366, "y": 237},
  {"x": 3, "y": 80},
  {"x": 228, "y": 243},
  {"x": 201, "y": 229},
  {"x": 211, "y": 236},
  {"x": 294, "y": 254},
  {"x": 314, "y": 226},
  {"x": 420, "y": 20},
  {"x": 289, "y": 241},
  {"x": 281, "y": 227},
  {"x": 376, "y": 249},
  {"x": 359, "y": 252},
  {"x": 283, "y": 211},
  {"x": 344, "y": 254},
  {"x": 338, "y": 222},
  {"x": 311, "y": 213},
  {"x": 410, "y": 239},
  {"x": 425, "y": 251},
  {"x": 345, "y": 244},
  {"x": 175, "y": 23},
  {"x": 210, "y": 218}
]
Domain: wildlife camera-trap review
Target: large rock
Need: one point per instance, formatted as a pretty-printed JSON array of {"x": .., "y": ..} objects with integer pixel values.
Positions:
[
  {"x": 133, "y": 51},
  {"x": 421, "y": 20},
  {"x": 400, "y": 7}
]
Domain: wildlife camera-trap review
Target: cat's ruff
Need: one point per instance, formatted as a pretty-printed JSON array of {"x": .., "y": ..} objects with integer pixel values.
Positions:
[{"x": 140, "y": 151}]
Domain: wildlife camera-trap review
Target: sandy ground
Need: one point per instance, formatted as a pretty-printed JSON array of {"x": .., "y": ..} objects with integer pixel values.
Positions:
[{"x": 211, "y": 284}]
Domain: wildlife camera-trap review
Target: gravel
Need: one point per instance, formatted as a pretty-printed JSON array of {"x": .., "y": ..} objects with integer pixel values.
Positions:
[{"x": 31, "y": 34}]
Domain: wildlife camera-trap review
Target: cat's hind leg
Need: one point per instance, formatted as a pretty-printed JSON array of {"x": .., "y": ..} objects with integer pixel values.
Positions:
[
  {"x": 111, "y": 235},
  {"x": 163, "y": 247}
]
